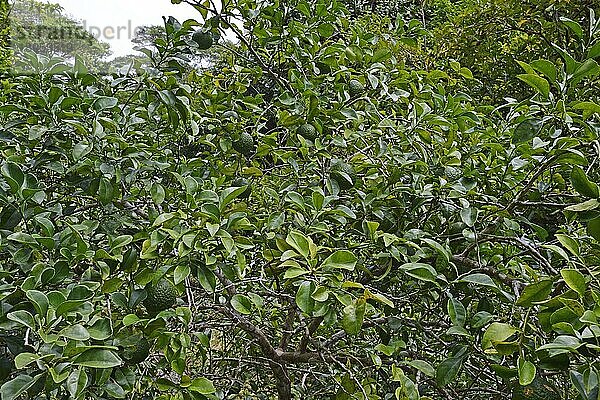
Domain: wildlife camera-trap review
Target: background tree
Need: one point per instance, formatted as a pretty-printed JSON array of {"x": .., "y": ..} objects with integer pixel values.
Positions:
[
  {"x": 490, "y": 36},
  {"x": 5, "y": 51},
  {"x": 46, "y": 29}
]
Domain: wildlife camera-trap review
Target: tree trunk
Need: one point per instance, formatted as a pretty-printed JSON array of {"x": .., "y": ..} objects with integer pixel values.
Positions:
[{"x": 284, "y": 385}]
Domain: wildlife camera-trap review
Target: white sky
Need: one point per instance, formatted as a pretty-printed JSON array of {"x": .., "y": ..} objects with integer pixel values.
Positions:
[{"x": 108, "y": 16}]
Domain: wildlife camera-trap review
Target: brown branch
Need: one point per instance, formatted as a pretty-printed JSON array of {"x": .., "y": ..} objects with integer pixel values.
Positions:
[
  {"x": 251, "y": 329},
  {"x": 474, "y": 265},
  {"x": 527, "y": 247},
  {"x": 310, "y": 330},
  {"x": 287, "y": 328}
]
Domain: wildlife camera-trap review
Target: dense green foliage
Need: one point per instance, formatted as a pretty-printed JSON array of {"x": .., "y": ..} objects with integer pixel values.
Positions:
[
  {"x": 330, "y": 210},
  {"x": 5, "y": 53},
  {"x": 489, "y": 36}
]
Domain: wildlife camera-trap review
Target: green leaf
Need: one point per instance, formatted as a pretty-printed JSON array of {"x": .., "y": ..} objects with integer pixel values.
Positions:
[
  {"x": 457, "y": 312},
  {"x": 535, "y": 292},
  {"x": 569, "y": 243},
  {"x": 479, "y": 279},
  {"x": 587, "y": 68},
  {"x": 496, "y": 332},
  {"x": 326, "y": 29},
  {"x": 114, "y": 390},
  {"x": 353, "y": 316},
  {"x": 162, "y": 218},
  {"x": 68, "y": 306},
  {"x": 75, "y": 332},
  {"x": 594, "y": 51},
  {"x": 22, "y": 317},
  {"x": 381, "y": 54},
  {"x": 228, "y": 195},
  {"x": 101, "y": 330},
  {"x": 24, "y": 359},
  {"x": 407, "y": 390},
  {"x": 423, "y": 366},
  {"x": 39, "y": 300},
  {"x": 130, "y": 319},
  {"x": 97, "y": 358},
  {"x": 182, "y": 271},
  {"x": 526, "y": 130},
  {"x": 387, "y": 350},
  {"x": 302, "y": 244},
  {"x": 526, "y": 371},
  {"x": 321, "y": 294},
  {"x": 13, "y": 389},
  {"x": 106, "y": 191},
  {"x": 157, "y": 191},
  {"x": 202, "y": 386},
  {"x": 570, "y": 62},
  {"x": 588, "y": 107},
  {"x": 77, "y": 382},
  {"x": 573, "y": 26},
  {"x": 465, "y": 73},
  {"x": 579, "y": 382},
  {"x": 526, "y": 67},
  {"x": 342, "y": 259},
  {"x": 587, "y": 205},
  {"x": 593, "y": 228},
  {"x": 469, "y": 216},
  {"x": 378, "y": 297},
  {"x": 241, "y": 304},
  {"x": 21, "y": 237},
  {"x": 121, "y": 241},
  {"x": 582, "y": 184},
  {"x": 14, "y": 176},
  {"x": 480, "y": 319},
  {"x": 537, "y": 82},
  {"x": 447, "y": 371},
  {"x": 304, "y": 298},
  {"x": 294, "y": 272},
  {"x": 547, "y": 68},
  {"x": 295, "y": 198},
  {"x": 575, "y": 280},
  {"x": 82, "y": 149},
  {"x": 103, "y": 103},
  {"x": 207, "y": 278},
  {"x": 423, "y": 272}
]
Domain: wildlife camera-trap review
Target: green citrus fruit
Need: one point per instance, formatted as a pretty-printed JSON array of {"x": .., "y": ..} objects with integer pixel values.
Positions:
[
  {"x": 230, "y": 114},
  {"x": 160, "y": 297},
  {"x": 343, "y": 174},
  {"x": 453, "y": 173},
  {"x": 355, "y": 88},
  {"x": 238, "y": 182},
  {"x": 244, "y": 144},
  {"x": 138, "y": 352},
  {"x": 204, "y": 40},
  {"x": 307, "y": 131}
]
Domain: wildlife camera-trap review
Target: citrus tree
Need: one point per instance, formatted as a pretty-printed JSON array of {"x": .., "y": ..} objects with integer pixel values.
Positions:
[{"x": 315, "y": 216}]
